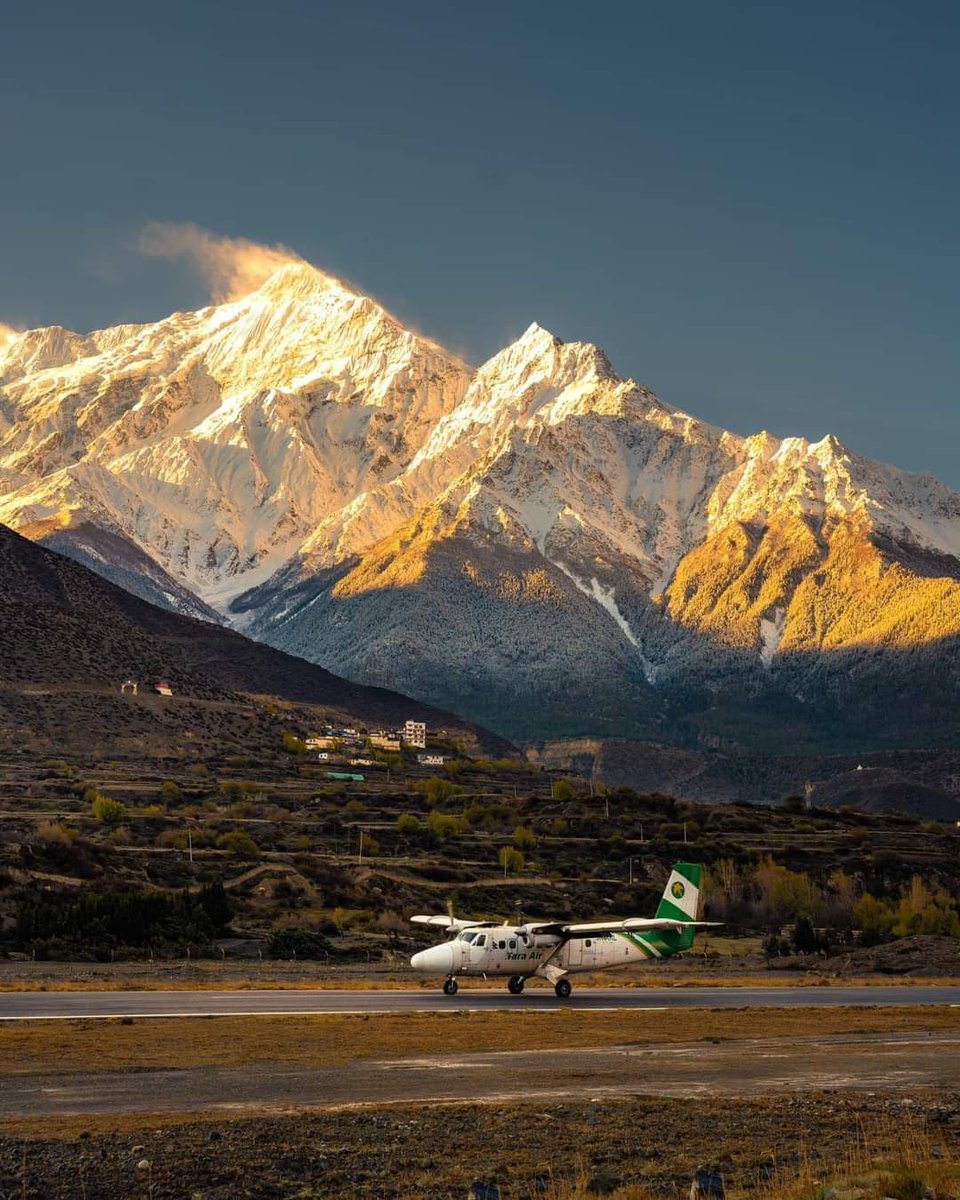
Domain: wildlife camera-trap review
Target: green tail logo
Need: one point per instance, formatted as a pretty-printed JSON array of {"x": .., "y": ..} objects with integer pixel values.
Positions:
[{"x": 681, "y": 899}]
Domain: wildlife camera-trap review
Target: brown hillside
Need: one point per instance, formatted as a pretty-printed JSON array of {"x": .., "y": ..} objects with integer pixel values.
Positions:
[{"x": 63, "y": 628}]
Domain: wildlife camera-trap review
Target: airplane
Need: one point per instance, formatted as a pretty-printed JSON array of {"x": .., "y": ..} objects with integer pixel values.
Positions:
[{"x": 552, "y": 950}]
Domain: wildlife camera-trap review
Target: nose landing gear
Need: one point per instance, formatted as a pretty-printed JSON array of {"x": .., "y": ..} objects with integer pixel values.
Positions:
[
  {"x": 562, "y": 988},
  {"x": 450, "y": 986},
  {"x": 515, "y": 984}
]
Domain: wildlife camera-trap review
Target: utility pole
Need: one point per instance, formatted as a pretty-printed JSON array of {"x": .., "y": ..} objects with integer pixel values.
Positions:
[
  {"x": 684, "y": 833},
  {"x": 360, "y": 855},
  {"x": 190, "y": 843}
]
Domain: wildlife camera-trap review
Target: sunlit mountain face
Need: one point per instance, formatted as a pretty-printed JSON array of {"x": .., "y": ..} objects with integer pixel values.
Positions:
[{"x": 536, "y": 543}]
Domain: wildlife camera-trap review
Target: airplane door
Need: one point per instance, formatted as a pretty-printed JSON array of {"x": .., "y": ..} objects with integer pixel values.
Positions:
[
  {"x": 574, "y": 954},
  {"x": 478, "y": 953}
]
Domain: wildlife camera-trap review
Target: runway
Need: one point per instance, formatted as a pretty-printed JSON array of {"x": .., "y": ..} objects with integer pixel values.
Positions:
[{"x": 19, "y": 1006}]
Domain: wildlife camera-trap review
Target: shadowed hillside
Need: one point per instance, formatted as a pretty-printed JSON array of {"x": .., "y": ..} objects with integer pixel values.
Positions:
[{"x": 68, "y": 639}]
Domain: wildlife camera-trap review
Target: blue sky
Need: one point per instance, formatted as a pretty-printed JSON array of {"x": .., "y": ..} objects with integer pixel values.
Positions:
[{"x": 751, "y": 206}]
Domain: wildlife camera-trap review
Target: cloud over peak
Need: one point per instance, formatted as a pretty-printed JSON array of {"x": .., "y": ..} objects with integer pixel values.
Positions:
[
  {"x": 231, "y": 267},
  {"x": 7, "y": 334}
]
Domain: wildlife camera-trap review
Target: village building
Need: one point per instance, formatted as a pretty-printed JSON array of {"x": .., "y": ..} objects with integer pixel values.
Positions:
[
  {"x": 323, "y": 742},
  {"x": 163, "y": 688},
  {"x": 380, "y": 739},
  {"x": 415, "y": 734},
  {"x": 431, "y": 760},
  {"x": 129, "y": 687}
]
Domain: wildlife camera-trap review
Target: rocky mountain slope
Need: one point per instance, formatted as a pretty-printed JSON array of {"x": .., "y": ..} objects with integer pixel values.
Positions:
[
  {"x": 538, "y": 544},
  {"x": 69, "y": 639}
]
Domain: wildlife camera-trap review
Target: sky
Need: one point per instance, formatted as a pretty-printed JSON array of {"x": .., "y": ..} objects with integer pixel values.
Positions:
[{"x": 752, "y": 206}]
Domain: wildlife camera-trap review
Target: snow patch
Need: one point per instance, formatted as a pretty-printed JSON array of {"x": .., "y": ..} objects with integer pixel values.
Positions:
[{"x": 604, "y": 596}]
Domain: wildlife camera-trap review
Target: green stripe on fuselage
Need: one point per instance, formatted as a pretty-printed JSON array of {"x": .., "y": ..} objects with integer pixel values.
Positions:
[
  {"x": 643, "y": 944},
  {"x": 662, "y": 942}
]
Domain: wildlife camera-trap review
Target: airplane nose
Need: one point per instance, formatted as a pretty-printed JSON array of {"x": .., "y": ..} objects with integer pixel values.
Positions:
[{"x": 438, "y": 960}]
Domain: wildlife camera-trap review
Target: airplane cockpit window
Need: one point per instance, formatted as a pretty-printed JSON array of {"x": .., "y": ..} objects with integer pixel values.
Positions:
[
  {"x": 468, "y": 936},
  {"x": 481, "y": 939}
]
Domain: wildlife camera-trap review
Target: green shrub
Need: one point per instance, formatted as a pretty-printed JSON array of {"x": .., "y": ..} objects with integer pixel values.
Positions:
[
  {"x": 170, "y": 792},
  {"x": 436, "y": 789},
  {"x": 96, "y": 922},
  {"x": 523, "y": 838},
  {"x": 214, "y": 902},
  {"x": 292, "y": 941},
  {"x": 443, "y": 825},
  {"x": 239, "y": 844},
  {"x": 873, "y": 918},
  {"x": 107, "y": 810}
]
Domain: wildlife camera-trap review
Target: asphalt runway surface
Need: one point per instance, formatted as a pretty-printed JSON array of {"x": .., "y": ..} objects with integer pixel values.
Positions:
[
  {"x": 16, "y": 1006},
  {"x": 887, "y": 1063}
]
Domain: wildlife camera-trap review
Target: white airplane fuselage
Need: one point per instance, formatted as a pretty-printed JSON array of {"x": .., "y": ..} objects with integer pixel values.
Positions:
[
  {"x": 553, "y": 950},
  {"x": 502, "y": 951}
]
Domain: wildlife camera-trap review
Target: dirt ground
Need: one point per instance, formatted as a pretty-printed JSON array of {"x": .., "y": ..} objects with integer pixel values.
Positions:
[{"x": 437, "y": 1151}]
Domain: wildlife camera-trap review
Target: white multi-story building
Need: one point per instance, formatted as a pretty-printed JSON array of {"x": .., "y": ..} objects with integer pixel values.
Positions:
[{"x": 415, "y": 734}]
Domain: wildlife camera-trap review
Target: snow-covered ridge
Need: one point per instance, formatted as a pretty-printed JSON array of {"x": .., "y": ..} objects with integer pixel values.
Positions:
[
  {"x": 219, "y": 439},
  {"x": 303, "y": 424}
]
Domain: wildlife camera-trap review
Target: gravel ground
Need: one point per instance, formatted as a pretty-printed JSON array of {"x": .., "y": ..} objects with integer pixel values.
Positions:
[{"x": 434, "y": 1152}]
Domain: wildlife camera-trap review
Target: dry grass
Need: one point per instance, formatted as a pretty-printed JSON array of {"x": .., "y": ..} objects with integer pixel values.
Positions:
[
  {"x": 332, "y": 1039},
  {"x": 906, "y": 1161},
  {"x": 901, "y": 1161}
]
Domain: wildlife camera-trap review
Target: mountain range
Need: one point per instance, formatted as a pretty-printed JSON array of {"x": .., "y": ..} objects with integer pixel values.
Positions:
[{"x": 538, "y": 544}]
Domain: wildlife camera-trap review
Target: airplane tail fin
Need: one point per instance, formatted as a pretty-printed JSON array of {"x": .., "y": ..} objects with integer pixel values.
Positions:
[{"x": 680, "y": 902}]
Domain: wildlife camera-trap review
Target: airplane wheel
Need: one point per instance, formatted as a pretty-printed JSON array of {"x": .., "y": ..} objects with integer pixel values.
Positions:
[
  {"x": 450, "y": 987},
  {"x": 562, "y": 988},
  {"x": 515, "y": 984}
]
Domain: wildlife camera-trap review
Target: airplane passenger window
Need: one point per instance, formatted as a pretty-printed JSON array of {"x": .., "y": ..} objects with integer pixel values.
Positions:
[
  {"x": 588, "y": 942},
  {"x": 501, "y": 945},
  {"x": 513, "y": 943}
]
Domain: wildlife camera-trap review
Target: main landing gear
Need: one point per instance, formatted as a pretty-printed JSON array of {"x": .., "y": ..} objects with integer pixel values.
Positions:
[
  {"x": 562, "y": 988},
  {"x": 450, "y": 986},
  {"x": 515, "y": 984}
]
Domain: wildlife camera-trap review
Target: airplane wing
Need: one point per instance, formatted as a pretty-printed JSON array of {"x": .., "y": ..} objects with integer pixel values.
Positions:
[
  {"x": 630, "y": 925},
  {"x": 450, "y": 924}
]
